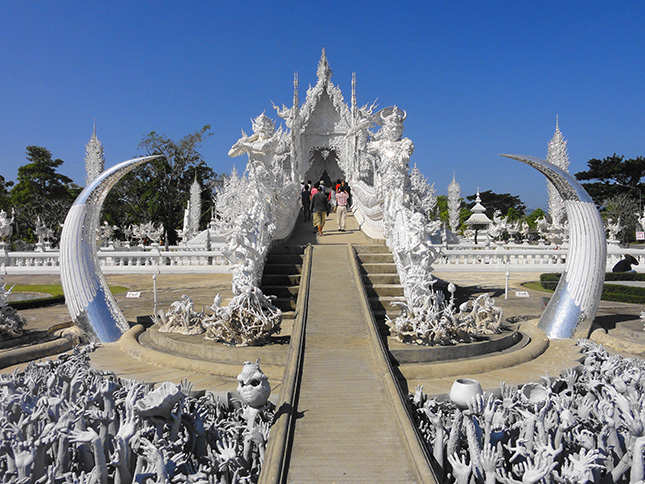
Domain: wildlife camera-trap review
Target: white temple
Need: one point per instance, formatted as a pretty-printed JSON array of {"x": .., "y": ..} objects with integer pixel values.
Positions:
[
  {"x": 558, "y": 155},
  {"x": 94, "y": 159}
]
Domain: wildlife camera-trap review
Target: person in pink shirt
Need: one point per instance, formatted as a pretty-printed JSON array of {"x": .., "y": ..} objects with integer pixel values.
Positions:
[{"x": 341, "y": 204}]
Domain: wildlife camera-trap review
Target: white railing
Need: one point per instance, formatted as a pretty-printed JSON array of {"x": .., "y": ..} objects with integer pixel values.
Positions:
[
  {"x": 453, "y": 257},
  {"x": 152, "y": 260},
  {"x": 520, "y": 257}
]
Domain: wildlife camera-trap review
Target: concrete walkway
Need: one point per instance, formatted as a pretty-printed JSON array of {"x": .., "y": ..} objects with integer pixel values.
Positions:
[{"x": 346, "y": 432}]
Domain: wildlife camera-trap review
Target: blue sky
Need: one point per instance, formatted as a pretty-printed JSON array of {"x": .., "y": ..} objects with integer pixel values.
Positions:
[{"x": 476, "y": 78}]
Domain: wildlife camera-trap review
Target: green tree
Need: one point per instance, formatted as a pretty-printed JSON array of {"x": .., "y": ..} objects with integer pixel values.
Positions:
[
  {"x": 613, "y": 175},
  {"x": 158, "y": 191},
  {"x": 41, "y": 191},
  {"x": 623, "y": 207},
  {"x": 499, "y": 201},
  {"x": 532, "y": 219},
  {"x": 5, "y": 200}
]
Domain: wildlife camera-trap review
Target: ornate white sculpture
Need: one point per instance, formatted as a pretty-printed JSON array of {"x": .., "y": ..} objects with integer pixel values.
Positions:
[
  {"x": 43, "y": 233},
  {"x": 614, "y": 228},
  {"x": 5, "y": 225},
  {"x": 436, "y": 321},
  {"x": 88, "y": 298},
  {"x": 94, "y": 159},
  {"x": 11, "y": 322},
  {"x": 557, "y": 154},
  {"x": 573, "y": 306}
]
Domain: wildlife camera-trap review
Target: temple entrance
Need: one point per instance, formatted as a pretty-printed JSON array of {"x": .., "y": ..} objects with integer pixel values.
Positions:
[{"x": 324, "y": 166}]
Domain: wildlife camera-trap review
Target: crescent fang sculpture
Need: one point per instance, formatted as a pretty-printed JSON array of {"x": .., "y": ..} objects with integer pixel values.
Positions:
[
  {"x": 87, "y": 295},
  {"x": 574, "y": 303}
]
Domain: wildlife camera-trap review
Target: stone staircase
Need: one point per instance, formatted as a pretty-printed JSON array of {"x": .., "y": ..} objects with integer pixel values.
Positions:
[
  {"x": 281, "y": 278},
  {"x": 381, "y": 282}
]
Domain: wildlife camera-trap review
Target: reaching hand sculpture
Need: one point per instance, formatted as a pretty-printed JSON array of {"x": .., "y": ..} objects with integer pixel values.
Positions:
[
  {"x": 113, "y": 430},
  {"x": 584, "y": 426}
]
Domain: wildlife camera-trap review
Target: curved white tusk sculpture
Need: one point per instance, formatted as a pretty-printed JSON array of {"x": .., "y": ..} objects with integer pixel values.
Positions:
[
  {"x": 87, "y": 296},
  {"x": 575, "y": 301}
]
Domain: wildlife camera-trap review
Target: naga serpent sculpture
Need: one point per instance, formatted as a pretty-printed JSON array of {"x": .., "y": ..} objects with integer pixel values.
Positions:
[
  {"x": 87, "y": 295},
  {"x": 574, "y": 303}
]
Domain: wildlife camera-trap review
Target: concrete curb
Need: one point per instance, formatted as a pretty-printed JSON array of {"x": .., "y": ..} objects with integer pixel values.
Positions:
[
  {"x": 35, "y": 351},
  {"x": 599, "y": 335},
  {"x": 129, "y": 344},
  {"x": 537, "y": 345}
]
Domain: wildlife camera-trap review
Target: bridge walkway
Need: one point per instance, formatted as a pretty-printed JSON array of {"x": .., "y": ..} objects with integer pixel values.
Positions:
[{"x": 346, "y": 432}]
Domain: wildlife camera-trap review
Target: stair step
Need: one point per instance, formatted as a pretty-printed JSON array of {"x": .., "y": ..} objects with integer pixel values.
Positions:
[
  {"x": 372, "y": 249},
  {"x": 371, "y": 258},
  {"x": 281, "y": 279},
  {"x": 373, "y": 278},
  {"x": 288, "y": 249},
  {"x": 289, "y": 269},
  {"x": 379, "y": 268},
  {"x": 284, "y": 259},
  {"x": 285, "y": 304},
  {"x": 281, "y": 291},
  {"x": 381, "y": 290}
]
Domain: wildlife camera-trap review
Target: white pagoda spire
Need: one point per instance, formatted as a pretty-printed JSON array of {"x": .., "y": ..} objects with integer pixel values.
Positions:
[
  {"x": 195, "y": 207},
  {"x": 558, "y": 155},
  {"x": 94, "y": 159},
  {"x": 353, "y": 94},
  {"x": 454, "y": 202}
]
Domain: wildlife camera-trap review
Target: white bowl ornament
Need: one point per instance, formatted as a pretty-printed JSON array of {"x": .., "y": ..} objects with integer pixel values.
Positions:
[{"x": 464, "y": 391}]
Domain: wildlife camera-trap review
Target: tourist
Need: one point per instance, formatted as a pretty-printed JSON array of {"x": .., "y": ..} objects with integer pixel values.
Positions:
[
  {"x": 305, "y": 197},
  {"x": 319, "y": 209},
  {"x": 341, "y": 200},
  {"x": 625, "y": 265},
  {"x": 343, "y": 183},
  {"x": 332, "y": 199}
]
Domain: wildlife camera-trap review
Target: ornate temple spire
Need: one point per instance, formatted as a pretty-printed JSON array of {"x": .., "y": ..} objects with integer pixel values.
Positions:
[
  {"x": 558, "y": 155},
  {"x": 454, "y": 202},
  {"x": 324, "y": 72},
  {"x": 296, "y": 98},
  {"x": 353, "y": 93},
  {"x": 94, "y": 159}
]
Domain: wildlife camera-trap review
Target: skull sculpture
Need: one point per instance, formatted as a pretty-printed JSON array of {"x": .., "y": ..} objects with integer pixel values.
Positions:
[{"x": 253, "y": 387}]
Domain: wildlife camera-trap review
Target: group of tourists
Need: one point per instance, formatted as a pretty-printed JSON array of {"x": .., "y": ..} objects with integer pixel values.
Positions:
[{"x": 318, "y": 203}]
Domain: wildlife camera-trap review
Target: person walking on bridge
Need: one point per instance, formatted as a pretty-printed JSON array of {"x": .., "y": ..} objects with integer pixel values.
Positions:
[
  {"x": 341, "y": 204},
  {"x": 319, "y": 208}
]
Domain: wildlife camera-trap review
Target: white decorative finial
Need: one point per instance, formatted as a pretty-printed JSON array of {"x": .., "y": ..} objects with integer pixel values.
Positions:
[
  {"x": 296, "y": 98},
  {"x": 353, "y": 92},
  {"x": 557, "y": 123},
  {"x": 324, "y": 72}
]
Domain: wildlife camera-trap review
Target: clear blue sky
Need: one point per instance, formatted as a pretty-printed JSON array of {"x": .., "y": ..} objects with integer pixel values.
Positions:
[{"x": 476, "y": 78}]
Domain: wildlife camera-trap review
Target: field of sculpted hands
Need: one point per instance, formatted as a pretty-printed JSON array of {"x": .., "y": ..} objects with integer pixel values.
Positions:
[
  {"x": 583, "y": 426},
  {"x": 62, "y": 421}
]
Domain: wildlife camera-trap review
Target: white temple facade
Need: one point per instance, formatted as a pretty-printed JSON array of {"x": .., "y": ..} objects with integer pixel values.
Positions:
[{"x": 325, "y": 132}]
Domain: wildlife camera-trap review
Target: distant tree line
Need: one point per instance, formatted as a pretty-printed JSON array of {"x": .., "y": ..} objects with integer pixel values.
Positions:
[{"x": 157, "y": 191}]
